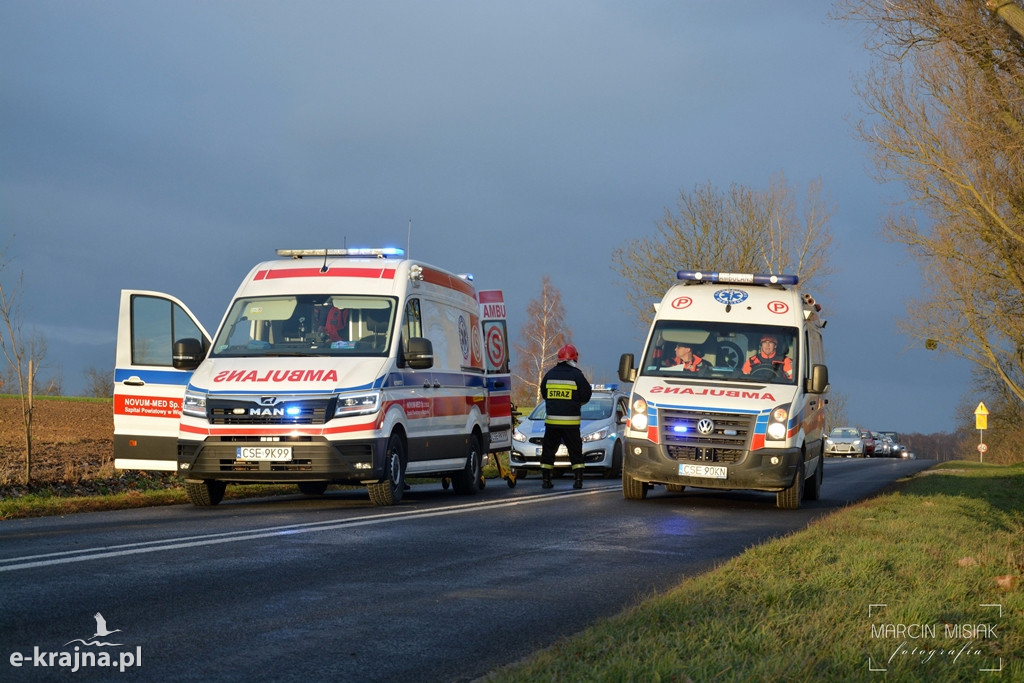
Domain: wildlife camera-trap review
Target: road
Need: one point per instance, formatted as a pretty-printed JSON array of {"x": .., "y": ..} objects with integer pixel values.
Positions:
[{"x": 439, "y": 588}]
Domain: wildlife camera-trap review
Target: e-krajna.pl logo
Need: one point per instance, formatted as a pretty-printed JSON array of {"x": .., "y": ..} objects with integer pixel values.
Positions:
[{"x": 88, "y": 655}]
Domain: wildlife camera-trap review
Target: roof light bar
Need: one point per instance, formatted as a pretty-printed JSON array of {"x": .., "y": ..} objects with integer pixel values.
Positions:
[
  {"x": 356, "y": 252},
  {"x": 738, "y": 278}
]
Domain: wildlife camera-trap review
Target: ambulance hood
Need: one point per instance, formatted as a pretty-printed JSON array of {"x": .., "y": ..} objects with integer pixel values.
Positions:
[
  {"x": 715, "y": 395},
  {"x": 276, "y": 375}
]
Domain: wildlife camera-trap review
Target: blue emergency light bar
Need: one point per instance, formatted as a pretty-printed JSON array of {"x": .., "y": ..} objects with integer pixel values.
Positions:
[
  {"x": 356, "y": 252},
  {"x": 737, "y": 278},
  {"x": 605, "y": 387}
]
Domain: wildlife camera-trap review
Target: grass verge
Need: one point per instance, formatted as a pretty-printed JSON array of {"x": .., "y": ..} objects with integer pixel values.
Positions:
[{"x": 920, "y": 583}]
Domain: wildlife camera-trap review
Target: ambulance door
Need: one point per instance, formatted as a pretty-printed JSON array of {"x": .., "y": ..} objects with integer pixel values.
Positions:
[
  {"x": 148, "y": 391},
  {"x": 496, "y": 362}
]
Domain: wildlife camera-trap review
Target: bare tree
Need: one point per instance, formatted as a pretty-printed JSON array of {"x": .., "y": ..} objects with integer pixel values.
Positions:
[
  {"x": 742, "y": 230},
  {"x": 98, "y": 383},
  {"x": 543, "y": 334},
  {"x": 946, "y": 104},
  {"x": 25, "y": 354}
]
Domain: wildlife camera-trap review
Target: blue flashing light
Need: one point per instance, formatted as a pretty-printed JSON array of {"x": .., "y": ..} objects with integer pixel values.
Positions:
[
  {"x": 604, "y": 387},
  {"x": 737, "y": 278},
  {"x": 293, "y": 411},
  {"x": 680, "y": 429}
]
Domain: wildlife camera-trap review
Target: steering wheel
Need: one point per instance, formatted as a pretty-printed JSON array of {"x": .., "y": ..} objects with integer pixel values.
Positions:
[
  {"x": 729, "y": 355},
  {"x": 764, "y": 373}
]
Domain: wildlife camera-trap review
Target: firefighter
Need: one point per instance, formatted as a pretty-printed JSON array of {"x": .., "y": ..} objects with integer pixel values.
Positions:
[{"x": 565, "y": 390}]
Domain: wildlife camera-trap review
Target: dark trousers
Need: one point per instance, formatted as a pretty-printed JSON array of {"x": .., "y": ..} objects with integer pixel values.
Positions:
[{"x": 555, "y": 435}]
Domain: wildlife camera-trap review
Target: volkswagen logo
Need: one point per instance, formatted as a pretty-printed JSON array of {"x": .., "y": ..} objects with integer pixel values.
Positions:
[{"x": 705, "y": 426}]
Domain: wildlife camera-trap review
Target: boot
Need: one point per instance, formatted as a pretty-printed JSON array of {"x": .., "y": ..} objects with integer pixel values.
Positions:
[
  {"x": 578, "y": 484},
  {"x": 546, "y": 473}
]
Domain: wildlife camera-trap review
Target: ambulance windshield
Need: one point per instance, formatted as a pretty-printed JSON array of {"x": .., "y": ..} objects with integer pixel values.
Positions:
[
  {"x": 687, "y": 349},
  {"x": 307, "y": 325}
]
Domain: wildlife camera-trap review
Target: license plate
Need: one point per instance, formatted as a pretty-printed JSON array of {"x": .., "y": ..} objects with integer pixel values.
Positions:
[
  {"x": 562, "y": 451},
  {"x": 500, "y": 436},
  {"x": 263, "y": 453},
  {"x": 704, "y": 471}
]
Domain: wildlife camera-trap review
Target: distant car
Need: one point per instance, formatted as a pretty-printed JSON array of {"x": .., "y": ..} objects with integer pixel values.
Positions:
[
  {"x": 603, "y": 421},
  {"x": 883, "y": 446},
  {"x": 844, "y": 441},
  {"x": 869, "y": 443}
]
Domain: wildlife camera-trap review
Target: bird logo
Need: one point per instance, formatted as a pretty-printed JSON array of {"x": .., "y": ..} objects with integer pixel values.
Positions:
[{"x": 101, "y": 632}]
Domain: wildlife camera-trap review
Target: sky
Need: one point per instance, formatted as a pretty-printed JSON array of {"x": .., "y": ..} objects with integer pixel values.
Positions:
[{"x": 172, "y": 146}]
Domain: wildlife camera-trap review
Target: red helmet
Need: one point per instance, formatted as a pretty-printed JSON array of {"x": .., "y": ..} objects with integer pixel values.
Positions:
[{"x": 568, "y": 352}]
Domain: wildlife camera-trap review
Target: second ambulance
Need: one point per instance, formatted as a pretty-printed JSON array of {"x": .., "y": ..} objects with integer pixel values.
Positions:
[
  {"x": 330, "y": 366},
  {"x": 730, "y": 392}
]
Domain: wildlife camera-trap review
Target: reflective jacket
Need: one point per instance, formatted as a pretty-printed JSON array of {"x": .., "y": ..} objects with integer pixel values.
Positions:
[{"x": 565, "y": 390}]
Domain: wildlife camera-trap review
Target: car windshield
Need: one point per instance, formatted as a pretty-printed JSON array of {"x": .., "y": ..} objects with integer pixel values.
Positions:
[
  {"x": 307, "y": 325},
  {"x": 714, "y": 350},
  {"x": 844, "y": 433},
  {"x": 599, "y": 407}
]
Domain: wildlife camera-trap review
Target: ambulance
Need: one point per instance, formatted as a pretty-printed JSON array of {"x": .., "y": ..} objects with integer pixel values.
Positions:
[
  {"x": 730, "y": 391},
  {"x": 330, "y": 366}
]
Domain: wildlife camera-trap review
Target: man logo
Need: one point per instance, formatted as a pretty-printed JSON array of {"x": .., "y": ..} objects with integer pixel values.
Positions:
[{"x": 705, "y": 426}]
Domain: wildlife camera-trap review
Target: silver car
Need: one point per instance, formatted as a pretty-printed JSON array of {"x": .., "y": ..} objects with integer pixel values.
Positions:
[
  {"x": 845, "y": 441},
  {"x": 603, "y": 420}
]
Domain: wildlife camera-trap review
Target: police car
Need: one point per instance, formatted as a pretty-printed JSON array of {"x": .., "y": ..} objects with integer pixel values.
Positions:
[{"x": 601, "y": 426}]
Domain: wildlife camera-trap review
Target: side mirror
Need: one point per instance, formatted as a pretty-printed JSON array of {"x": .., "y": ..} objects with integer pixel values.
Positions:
[
  {"x": 818, "y": 382},
  {"x": 420, "y": 353},
  {"x": 627, "y": 373},
  {"x": 187, "y": 354}
]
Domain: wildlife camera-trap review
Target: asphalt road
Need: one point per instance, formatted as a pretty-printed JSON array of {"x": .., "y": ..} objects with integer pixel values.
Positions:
[{"x": 439, "y": 588}]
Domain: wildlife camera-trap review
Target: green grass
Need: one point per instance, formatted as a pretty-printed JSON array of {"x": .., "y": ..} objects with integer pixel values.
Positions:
[{"x": 801, "y": 608}]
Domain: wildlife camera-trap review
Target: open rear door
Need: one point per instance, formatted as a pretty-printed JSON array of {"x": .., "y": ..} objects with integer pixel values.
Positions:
[
  {"x": 499, "y": 378},
  {"x": 148, "y": 391}
]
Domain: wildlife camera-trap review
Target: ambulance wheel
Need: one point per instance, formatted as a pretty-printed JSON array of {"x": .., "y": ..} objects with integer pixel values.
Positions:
[
  {"x": 467, "y": 481},
  {"x": 789, "y": 498},
  {"x": 312, "y": 488},
  {"x": 812, "y": 489},
  {"x": 389, "y": 491},
  {"x": 205, "y": 493},
  {"x": 633, "y": 489}
]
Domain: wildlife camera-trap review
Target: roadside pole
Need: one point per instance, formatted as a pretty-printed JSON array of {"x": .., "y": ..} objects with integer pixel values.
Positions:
[{"x": 981, "y": 424}]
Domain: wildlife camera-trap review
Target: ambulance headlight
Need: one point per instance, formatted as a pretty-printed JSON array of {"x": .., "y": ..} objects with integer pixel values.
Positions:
[
  {"x": 194, "y": 404},
  {"x": 638, "y": 415},
  {"x": 778, "y": 423},
  {"x": 597, "y": 436},
  {"x": 357, "y": 404}
]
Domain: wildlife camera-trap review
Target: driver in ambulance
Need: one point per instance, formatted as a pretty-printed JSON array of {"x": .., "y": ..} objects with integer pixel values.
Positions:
[{"x": 767, "y": 357}]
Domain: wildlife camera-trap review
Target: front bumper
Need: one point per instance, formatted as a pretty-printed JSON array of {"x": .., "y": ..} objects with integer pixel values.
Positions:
[
  {"x": 766, "y": 469},
  {"x": 313, "y": 459},
  {"x": 596, "y": 455}
]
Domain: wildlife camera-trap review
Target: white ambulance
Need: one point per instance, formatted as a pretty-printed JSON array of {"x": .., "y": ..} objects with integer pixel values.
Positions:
[
  {"x": 330, "y": 366},
  {"x": 730, "y": 393}
]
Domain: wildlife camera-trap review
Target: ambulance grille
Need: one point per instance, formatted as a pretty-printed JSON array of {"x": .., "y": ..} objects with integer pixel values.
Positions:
[
  {"x": 727, "y": 442},
  {"x": 252, "y": 412}
]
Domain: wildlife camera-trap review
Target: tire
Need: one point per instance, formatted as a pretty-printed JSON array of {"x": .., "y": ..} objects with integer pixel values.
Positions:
[
  {"x": 615, "y": 471},
  {"x": 466, "y": 482},
  {"x": 521, "y": 472},
  {"x": 812, "y": 489},
  {"x": 389, "y": 491},
  {"x": 206, "y": 493},
  {"x": 312, "y": 488},
  {"x": 789, "y": 498},
  {"x": 633, "y": 489}
]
